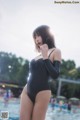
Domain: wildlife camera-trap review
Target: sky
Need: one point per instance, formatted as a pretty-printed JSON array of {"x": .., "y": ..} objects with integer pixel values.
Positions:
[{"x": 18, "y": 19}]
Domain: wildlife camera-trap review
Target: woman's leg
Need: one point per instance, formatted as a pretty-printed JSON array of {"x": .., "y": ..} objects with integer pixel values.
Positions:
[
  {"x": 26, "y": 106},
  {"x": 41, "y": 104}
]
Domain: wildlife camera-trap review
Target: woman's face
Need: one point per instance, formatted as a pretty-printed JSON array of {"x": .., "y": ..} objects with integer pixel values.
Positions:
[{"x": 38, "y": 41}]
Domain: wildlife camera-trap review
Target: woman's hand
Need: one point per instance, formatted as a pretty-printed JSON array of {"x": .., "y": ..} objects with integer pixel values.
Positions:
[{"x": 44, "y": 51}]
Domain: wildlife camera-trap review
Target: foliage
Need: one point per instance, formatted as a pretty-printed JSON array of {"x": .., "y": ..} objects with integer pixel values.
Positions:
[{"x": 13, "y": 69}]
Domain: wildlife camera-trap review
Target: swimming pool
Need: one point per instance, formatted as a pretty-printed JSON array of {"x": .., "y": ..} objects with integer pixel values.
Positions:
[
  {"x": 52, "y": 114},
  {"x": 56, "y": 114},
  {"x": 12, "y": 108}
]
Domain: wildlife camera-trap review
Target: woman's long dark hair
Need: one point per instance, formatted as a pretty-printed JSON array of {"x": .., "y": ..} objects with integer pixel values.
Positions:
[{"x": 46, "y": 35}]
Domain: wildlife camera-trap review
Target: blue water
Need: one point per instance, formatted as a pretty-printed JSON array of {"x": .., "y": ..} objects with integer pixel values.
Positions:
[
  {"x": 52, "y": 114},
  {"x": 12, "y": 107}
]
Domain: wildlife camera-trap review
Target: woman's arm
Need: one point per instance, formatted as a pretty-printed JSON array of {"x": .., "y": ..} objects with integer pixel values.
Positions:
[{"x": 54, "y": 67}]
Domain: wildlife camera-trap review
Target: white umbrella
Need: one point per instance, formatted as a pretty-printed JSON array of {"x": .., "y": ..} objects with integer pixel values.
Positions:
[
  {"x": 61, "y": 97},
  {"x": 74, "y": 99}
]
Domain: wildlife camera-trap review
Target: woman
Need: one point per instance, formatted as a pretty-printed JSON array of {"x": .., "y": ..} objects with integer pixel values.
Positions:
[{"x": 36, "y": 94}]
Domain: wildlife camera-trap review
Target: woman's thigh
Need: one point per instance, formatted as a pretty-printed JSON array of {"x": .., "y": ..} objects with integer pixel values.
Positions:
[
  {"x": 41, "y": 104},
  {"x": 26, "y": 106}
]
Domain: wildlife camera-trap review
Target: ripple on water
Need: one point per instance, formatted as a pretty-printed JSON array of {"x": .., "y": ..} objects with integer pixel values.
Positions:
[
  {"x": 52, "y": 114},
  {"x": 56, "y": 114}
]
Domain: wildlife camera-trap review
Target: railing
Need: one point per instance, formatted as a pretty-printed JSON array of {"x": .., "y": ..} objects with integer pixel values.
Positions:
[{"x": 65, "y": 80}]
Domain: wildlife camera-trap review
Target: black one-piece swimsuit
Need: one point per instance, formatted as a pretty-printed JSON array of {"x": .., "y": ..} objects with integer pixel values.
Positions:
[
  {"x": 40, "y": 72},
  {"x": 38, "y": 79}
]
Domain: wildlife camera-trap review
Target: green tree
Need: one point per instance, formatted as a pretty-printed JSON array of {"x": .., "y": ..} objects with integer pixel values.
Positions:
[
  {"x": 66, "y": 66},
  {"x": 13, "y": 69}
]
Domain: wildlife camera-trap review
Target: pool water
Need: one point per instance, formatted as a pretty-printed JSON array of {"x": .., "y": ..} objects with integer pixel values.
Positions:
[
  {"x": 12, "y": 107},
  {"x": 56, "y": 114},
  {"x": 52, "y": 114}
]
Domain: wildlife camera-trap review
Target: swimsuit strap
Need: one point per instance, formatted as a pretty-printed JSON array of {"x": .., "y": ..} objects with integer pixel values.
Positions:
[{"x": 50, "y": 53}]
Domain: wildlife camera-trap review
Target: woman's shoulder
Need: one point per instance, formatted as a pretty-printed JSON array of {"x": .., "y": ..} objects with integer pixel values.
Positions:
[
  {"x": 57, "y": 50},
  {"x": 56, "y": 55}
]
